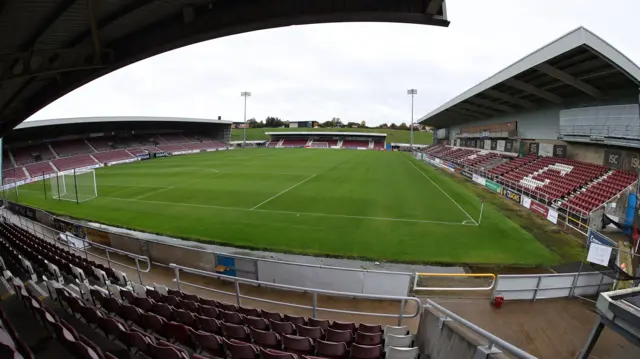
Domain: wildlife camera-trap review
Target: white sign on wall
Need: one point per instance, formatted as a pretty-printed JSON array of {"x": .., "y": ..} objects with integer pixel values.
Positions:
[
  {"x": 546, "y": 150},
  {"x": 500, "y": 145},
  {"x": 599, "y": 254},
  {"x": 487, "y": 144},
  {"x": 552, "y": 216},
  {"x": 526, "y": 202}
]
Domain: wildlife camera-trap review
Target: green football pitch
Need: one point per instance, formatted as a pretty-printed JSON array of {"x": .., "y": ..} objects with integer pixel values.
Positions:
[{"x": 355, "y": 204}]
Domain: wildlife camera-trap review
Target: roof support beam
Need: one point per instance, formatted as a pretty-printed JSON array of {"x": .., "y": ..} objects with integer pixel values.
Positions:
[
  {"x": 62, "y": 8},
  {"x": 491, "y": 104},
  {"x": 565, "y": 77},
  {"x": 477, "y": 109},
  {"x": 466, "y": 113},
  {"x": 434, "y": 6},
  {"x": 506, "y": 97},
  {"x": 533, "y": 90}
]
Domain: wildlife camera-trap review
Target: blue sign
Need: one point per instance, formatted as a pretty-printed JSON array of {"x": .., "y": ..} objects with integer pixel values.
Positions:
[
  {"x": 229, "y": 263},
  {"x": 597, "y": 237}
]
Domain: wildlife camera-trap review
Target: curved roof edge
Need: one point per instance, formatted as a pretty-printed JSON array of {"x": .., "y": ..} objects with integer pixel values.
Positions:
[
  {"x": 573, "y": 39},
  {"x": 74, "y": 120}
]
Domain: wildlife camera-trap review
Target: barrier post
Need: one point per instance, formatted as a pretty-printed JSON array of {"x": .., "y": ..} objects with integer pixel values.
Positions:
[
  {"x": 177, "y": 271},
  {"x": 315, "y": 305},
  {"x": 138, "y": 270},
  {"x": 237, "y": 285},
  {"x": 44, "y": 186},
  {"x": 401, "y": 315}
]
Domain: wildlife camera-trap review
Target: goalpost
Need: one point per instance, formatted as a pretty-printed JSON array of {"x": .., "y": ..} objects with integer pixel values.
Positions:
[{"x": 77, "y": 185}]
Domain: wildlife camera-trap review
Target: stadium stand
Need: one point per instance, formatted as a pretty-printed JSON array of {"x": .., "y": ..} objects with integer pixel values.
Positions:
[
  {"x": 294, "y": 143},
  {"x": 355, "y": 144},
  {"x": 165, "y": 323},
  {"x": 31, "y": 154},
  {"x": 101, "y": 144},
  {"x": 377, "y": 145},
  {"x": 68, "y": 163},
  {"x": 112, "y": 156},
  {"x": 171, "y": 148},
  {"x": 71, "y": 148},
  {"x": 174, "y": 138},
  {"x": 40, "y": 168},
  {"x": 136, "y": 151},
  {"x": 13, "y": 175}
]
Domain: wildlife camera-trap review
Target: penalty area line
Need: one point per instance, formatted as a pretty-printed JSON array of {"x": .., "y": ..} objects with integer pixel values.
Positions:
[
  {"x": 283, "y": 192},
  {"x": 445, "y": 193},
  {"x": 152, "y": 192},
  {"x": 286, "y": 212}
]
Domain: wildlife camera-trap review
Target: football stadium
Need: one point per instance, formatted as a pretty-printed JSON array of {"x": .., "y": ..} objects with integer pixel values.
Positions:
[{"x": 514, "y": 234}]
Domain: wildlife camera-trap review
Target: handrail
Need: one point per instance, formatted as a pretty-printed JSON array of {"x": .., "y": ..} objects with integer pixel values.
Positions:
[
  {"x": 136, "y": 257},
  {"x": 493, "y": 340},
  {"x": 314, "y": 307}
]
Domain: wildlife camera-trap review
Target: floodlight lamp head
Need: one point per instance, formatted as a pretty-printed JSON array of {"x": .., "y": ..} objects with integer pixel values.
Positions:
[
  {"x": 245, "y": 94},
  {"x": 412, "y": 92}
]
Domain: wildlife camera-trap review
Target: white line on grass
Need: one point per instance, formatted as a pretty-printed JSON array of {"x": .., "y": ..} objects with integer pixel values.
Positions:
[
  {"x": 445, "y": 193},
  {"x": 287, "y": 212},
  {"x": 152, "y": 192},
  {"x": 285, "y": 191}
]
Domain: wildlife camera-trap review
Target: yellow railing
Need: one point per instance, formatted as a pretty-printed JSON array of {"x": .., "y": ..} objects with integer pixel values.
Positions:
[{"x": 454, "y": 275}]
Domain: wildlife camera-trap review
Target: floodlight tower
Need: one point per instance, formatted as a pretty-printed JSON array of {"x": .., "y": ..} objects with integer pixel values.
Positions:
[
  {"x": 412, "y": 92},
  {"x": 245, "y": 94}
]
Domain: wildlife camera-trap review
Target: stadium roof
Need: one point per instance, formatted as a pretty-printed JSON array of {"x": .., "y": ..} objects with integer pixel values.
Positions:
[
  {"x": 70, "y": 121},
  {"x": 317, "y": 133},
  {"x": 51, "y": 47},
  {"x": 577, "y": 66}
]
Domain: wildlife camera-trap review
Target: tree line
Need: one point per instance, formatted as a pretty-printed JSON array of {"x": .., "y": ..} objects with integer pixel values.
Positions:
[{"x": 275, "y": 122}]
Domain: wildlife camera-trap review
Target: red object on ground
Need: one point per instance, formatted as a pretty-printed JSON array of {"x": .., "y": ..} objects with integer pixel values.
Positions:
[{"x": 497, "y": 301}]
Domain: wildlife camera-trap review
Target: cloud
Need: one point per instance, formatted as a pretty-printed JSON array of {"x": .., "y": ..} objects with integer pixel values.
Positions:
[{"x": 355, "y": 71}]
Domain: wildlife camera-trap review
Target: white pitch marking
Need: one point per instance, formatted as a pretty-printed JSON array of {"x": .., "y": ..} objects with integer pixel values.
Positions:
[
  {"x": 285, "y": 191},
  {"x": 289, "y": 212},
  {"x": 152, "y": 192},
  {"x": 445, "y": 193}
]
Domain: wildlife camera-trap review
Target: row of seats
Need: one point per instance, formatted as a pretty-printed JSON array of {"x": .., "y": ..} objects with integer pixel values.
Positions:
[
  {"x": 70, "y": 148},
  {"x": 55, "y": 260},
  {"x": 11, "y": 345},
  {"x": 176, "y": 318}
]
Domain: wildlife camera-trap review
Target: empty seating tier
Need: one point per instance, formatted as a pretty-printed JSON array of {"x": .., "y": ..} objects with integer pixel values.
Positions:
[
  {"x": 112, "y": 156},
  {"x": 165, "y": 323},
  {"x": 171, "y": 148},
  {"x": 71, "y": 148},
  {"x": 355, "y": 144},
  {"x": 294, "y": 143},
  {"x": 31, "y": 154},
  {"x": 63, "y": 164},
  {"x": 38, "y": 169}
]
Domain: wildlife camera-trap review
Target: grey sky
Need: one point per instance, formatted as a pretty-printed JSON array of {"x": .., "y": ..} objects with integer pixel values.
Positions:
[{"x": 355, "y": 71}]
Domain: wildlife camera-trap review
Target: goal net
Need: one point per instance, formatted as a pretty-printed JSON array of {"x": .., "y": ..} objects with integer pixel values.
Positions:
[
  {"x": 74, "y": 186},
  {"x": 320, "y": 144}
]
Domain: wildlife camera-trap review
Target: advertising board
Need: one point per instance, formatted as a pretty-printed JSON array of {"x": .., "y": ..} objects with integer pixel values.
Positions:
[
  {"x": 495, "y": 187},
  {"x": 552, "y": 216},
  {"x": 467, "y": 174},
  {"x": 539, "y": 208},
  {"x": 479, "y": 180},
  {"x": 511, "y": 195}
]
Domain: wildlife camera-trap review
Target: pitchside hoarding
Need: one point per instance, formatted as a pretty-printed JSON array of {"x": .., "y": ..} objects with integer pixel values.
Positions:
[
  {"x": 495, "y": 187},
  {"x": 467, "y": 174},
  {"x": 511, "y": 195}
]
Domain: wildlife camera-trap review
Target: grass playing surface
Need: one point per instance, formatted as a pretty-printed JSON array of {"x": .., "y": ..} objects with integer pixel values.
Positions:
[{"x": 363, "y": 204}]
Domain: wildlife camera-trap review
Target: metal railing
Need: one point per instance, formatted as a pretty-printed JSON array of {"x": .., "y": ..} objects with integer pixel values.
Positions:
[
  {"x": 314, "y": 292},
  {"x": 491, "y": 338},
  {"x": 137, "y": 258},
  {"x": 455, "y": 275}
]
